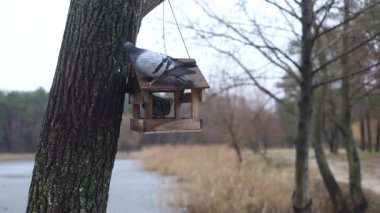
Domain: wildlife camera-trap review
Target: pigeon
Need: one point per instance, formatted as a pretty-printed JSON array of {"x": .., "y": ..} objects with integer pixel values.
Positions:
[
  {"x": 161, "y": 106},
  {"x": 156, "y": 65}
]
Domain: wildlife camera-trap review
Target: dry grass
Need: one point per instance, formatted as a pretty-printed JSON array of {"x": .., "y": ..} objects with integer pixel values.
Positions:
[
  {"x": 16, "y": 156},
  {"x": 211, "y": 181}
]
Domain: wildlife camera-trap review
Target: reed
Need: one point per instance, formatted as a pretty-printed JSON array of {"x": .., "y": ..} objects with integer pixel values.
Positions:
[{"x": 211, "y": 180}]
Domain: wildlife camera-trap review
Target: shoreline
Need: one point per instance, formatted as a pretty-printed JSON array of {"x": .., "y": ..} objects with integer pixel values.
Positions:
[{"x": 8, "y": 156}]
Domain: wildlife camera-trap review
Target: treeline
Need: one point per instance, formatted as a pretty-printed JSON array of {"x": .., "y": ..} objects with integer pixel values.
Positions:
[
  {"x": 228, "y": 118},
  {"x": 21, "y": 114}
]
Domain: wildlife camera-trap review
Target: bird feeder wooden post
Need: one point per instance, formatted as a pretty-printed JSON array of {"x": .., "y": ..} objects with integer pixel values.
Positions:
[{"x": 144, "y": 119}]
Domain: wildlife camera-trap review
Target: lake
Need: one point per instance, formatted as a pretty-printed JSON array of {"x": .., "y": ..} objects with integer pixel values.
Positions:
[{"x": 132, "y": 189}]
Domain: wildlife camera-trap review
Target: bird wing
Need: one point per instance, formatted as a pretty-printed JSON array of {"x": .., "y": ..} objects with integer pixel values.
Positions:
[{"x": 154, "y": 64}]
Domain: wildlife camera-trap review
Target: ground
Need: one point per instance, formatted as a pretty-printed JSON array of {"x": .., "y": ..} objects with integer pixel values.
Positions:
[
  {"x": 370, "y": 172},
  {"x": 369, "y": 162}
]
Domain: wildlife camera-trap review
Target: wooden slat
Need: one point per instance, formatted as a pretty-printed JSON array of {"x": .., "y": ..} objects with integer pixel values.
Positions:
[
  {"x": 203, "y": 96},
  {"x": 137, "y": 98},
  {"x": 195, "y": 101},
  {"x": 165, "y": 125},
  {"x": 177, "y": 104},
  {"x": 136, "y": 110},
  {"x": 186, "y": 98},
  {"x": 148, "y": 100}
]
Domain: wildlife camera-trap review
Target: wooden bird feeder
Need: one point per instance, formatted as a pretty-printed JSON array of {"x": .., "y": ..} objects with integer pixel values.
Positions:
[{"x": 141, "y": 97}]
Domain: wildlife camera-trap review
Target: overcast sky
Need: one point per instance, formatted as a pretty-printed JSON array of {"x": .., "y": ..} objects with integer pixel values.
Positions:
[{"x": 31, "y": 34}]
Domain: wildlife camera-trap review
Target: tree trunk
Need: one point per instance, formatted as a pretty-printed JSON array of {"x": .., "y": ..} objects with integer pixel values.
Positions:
[
  {"x": 335, "y": 139},
  {"x": 331, "y": 185},
  {"x": 79, "y": 133},
  {"x": 301, "y": 196},
  {"x": 356, "y": 192},
  {"x": 377, "y": 147},
  {"x": 362, "y": 132},
  {"x": 369, "y": 131},
  {"x": 235, "y": 143},
  {"x": 236, "y": 146}
]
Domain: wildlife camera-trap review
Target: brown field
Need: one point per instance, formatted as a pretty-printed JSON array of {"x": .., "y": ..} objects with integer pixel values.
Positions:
[
  {"x": 210, "y": 180},
  {"x": 16, "y": 156}
]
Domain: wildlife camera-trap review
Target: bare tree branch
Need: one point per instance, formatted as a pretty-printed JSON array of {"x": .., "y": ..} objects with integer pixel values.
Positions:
[
  {"x": 290, "y": 12},
  {"x": 329, "y": 45},
  {"x": 366, "y": 94},
  {"x": 275, "y": 50},
  {"x": 291, "y": 26},
  {"x": 248, "y": 72},
  {"x": 269, "y": 45},
  {"x": 352, "y": 49},
  {"x": 297, "y": 2},
  {"x": 228, "y": 88},
  {"x": 346, "y": 76},
  {"x": 356, "y": 15},
  {"x": 322, "y": 21}
]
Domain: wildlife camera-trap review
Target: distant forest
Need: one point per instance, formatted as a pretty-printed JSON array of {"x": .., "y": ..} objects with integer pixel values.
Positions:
[
  {"x": 22, "y": 112},
  {"x": 21, "y": 115},
  {"x": 228, "y": 118}
]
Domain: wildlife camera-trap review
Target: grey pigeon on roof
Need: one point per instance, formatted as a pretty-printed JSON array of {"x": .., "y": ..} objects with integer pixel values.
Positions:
[{"x": 157, "y": 65}]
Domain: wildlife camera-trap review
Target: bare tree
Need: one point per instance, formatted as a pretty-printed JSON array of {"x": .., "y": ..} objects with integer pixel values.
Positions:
[
  {"x": 306, "y": 21},
  {"x": 228, "y": 112}
]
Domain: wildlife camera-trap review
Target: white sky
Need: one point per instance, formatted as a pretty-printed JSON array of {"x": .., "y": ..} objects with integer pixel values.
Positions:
[{"x": 31, "y": 34}]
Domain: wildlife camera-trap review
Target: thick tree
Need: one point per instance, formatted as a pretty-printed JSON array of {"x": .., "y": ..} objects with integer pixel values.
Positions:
[
  {"x": 79, "y": 133},
  {"x": 301, "y": 196}
]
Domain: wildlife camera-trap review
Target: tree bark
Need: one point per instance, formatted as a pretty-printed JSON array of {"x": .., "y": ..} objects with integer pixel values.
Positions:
[
  {"x": 301, "y": 195},
  {"x": 79, "y": 133},
  {"x": 149, "y": 5},
  {"x": 369, "y": 131},
  {"x": 362, "y": 132},
  {"x": 377, "y": 147},
  {"x": 235, "y": 145},
  {"x": 335, "y": 134},
  {"x": 356, "y": 192}
]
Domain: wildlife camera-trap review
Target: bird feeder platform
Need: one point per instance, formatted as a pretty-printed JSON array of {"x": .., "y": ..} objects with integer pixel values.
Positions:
[{"x": 141, "y": 97}]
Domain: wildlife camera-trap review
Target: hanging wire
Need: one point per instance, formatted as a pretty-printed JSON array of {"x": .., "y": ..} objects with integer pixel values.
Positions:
[
  {"x": 179, "y": 30},
  {"x": 163, "y": 26}
]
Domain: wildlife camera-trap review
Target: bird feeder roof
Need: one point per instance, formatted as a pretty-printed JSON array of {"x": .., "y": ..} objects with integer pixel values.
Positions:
[{"x": 137, "y": 83}]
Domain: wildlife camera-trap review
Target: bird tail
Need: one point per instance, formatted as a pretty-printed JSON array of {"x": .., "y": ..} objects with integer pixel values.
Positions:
[
  {"x": 189, "y": 64},
  {"x": 180, "y": 71},
  {"x": 185, "y": 64},
  {"x": 184, "y": 81}
]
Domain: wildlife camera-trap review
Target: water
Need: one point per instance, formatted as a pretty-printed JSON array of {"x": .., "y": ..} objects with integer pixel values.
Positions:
[{"x": 131, "y": 190}]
